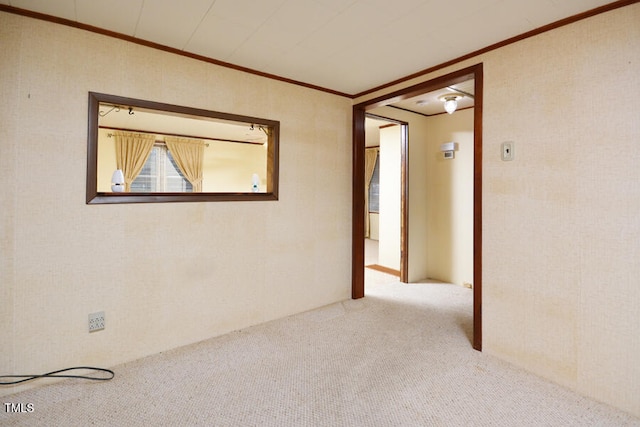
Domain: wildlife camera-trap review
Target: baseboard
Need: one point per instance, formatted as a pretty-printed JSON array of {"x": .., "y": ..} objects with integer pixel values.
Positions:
[{"x": 384, "y": 269}]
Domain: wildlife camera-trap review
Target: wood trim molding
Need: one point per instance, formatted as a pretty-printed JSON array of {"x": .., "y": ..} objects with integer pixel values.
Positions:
[
  {"x": 384, "y": 269},
  {"x": 93, "y": 196},
  {"x": 358, "y": 208},
  {"x": 404, "y": 203},
  {"x": 557, "y": 24},
  {"x": 420, "y": 88},
  {"x": 390, "y": 125},
  {"x": 534, "y": 32},
  {"x": 357, "y": 203},
  {"x": 207, "y": 138},
  {"x": 74, "y": 24},
  {"x": 426, "y": 115},
  {"x": 477, "y": 207}
]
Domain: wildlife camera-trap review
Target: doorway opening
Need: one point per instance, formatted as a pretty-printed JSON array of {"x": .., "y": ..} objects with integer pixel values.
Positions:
[
  {"x": 358, "y": 182},
  {"x": 385, "y": 206}
]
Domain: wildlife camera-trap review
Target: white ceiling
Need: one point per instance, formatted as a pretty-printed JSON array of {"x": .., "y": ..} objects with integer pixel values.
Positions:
[
  {"x": 348, "y": 46},
  {"x": 427, "y": 104},
  {"x": 430, "y": 103}
]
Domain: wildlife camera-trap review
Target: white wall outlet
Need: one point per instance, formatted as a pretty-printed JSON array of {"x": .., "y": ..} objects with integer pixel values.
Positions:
[
  {"x": 96, "y": 321},
  {"x": 507, "y": 151}
]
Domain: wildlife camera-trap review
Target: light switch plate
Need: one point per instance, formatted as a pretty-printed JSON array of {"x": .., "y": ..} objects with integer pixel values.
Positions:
[{"x": 507, "y": 151}]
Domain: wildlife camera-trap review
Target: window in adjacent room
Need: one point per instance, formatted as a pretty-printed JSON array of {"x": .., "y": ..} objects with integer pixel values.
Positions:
[
  {"x": 160, "y": 174},
  {"x": 374, "y": 188}
]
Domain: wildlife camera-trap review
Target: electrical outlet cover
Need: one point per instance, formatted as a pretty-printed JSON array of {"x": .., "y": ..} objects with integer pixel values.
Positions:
[{"x": 96, "y": 321}]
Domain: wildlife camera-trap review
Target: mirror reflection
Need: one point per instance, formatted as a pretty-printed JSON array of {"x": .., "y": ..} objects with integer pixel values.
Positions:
[{"x": 149, "y": 152}]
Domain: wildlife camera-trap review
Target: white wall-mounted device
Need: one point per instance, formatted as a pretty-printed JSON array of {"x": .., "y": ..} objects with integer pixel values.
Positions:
[
  {"x": 117, "y": 181},
  {"x": 449, "y": 146},
  {"x": 449, "y": 149},
  {"x": 255, "y": 183}
]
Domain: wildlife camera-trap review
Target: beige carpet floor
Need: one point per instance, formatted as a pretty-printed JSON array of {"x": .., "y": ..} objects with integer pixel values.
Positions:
[{"x": 401, "y": 356}]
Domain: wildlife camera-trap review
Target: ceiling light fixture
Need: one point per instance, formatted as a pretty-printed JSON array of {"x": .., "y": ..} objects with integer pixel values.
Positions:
[{"x": 450, "y": 101}]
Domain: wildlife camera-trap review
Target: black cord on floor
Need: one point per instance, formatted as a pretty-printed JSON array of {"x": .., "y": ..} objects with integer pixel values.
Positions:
[{"x": 54, "y": 374}]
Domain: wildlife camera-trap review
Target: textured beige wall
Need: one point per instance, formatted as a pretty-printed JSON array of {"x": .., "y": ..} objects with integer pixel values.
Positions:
[
  {"x": 107, "y": 162},
  {"x": 229, "y": 167},
  {"x": 560, "y": 223},
  {"x": 165, "y": 274},
  {"x": 561, "y": 229},
  {"x": 450, "y": 198},
  {"x": 390, "y": 197},
  {"x": 374, "y": 226}
]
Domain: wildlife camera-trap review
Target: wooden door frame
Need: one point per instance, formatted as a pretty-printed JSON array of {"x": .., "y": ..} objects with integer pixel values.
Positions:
[
  {"x": 404, "y": 193},
  {"x": 358, "y": 209}
]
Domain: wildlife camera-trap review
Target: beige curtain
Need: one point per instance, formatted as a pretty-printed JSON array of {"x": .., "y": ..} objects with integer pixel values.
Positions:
[
  {"x": 371, "y": 154},
  {"x": 188, "y": 154},
  {"x": 132, "y": 152}
]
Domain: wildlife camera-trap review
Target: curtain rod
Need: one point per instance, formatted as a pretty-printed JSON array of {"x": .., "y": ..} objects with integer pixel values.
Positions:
[
  {"x": 182, "y": 136},
  {"x": 157, "y": 141}
]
